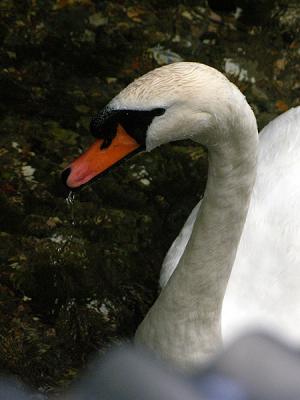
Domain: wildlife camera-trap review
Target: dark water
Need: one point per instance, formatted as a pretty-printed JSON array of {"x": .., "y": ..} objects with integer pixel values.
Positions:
[{"x": 75, "y": 278}]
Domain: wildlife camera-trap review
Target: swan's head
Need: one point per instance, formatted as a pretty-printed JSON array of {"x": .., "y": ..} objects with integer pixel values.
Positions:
[{"x": 177, "y": 101}]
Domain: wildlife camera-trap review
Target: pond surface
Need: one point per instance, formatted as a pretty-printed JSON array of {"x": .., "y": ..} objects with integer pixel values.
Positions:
[{"x": 78, "y": 276}]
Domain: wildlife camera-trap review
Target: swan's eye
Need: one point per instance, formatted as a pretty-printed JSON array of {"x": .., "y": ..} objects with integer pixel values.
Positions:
[{"x": 135, "y": 123}]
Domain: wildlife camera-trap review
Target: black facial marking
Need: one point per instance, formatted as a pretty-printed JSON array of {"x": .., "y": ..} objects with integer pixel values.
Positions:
[{"x": 135, "y": 122}]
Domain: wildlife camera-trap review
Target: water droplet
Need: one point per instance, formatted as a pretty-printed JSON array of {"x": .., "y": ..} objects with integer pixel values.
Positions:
[{"x": 70, "y": 200}]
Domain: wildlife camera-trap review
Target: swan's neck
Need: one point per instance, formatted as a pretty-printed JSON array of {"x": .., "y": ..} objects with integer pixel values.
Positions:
[{"x": 184, "y": 323}]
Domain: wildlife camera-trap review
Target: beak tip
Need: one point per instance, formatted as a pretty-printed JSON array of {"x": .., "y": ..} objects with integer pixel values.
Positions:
[{"x": 64, "y": 176}]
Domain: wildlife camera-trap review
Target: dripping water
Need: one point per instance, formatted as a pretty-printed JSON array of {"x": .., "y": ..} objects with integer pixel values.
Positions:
[
  {"x": 70, "y": 200},
  {"x": 62, "y": 240}
]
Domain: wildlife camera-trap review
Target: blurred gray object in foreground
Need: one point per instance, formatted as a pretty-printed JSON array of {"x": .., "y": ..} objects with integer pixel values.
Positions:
[
  {"x": 12, "y": 389},
  {"x": 129, "y": 373},
  {"x": 263, "y": 366},
  {"x": 255, "y": 367}
]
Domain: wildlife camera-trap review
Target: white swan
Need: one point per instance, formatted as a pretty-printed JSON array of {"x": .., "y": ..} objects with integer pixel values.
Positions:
[{"x": 190, "y": 100}]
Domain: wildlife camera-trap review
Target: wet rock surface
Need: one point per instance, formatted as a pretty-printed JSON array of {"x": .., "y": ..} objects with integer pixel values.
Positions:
[{"x": 76, "y": 278}]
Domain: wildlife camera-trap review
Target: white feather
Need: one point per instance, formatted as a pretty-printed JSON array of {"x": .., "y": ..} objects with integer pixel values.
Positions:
[{"x": 264, "y": 287}]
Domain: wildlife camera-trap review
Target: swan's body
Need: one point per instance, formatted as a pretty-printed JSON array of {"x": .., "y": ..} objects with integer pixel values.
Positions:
[
  {"x": 184, "y": 324},
  {"x": 264, "y": 286}
]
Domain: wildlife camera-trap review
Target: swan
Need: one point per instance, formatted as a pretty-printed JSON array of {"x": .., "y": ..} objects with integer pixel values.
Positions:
[{"x": 239, "y": 249}]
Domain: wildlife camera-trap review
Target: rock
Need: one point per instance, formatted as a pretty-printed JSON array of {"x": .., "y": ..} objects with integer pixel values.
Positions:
[
  {"x": 164, "y": 56},
  {"x": 98, "y": 19}
]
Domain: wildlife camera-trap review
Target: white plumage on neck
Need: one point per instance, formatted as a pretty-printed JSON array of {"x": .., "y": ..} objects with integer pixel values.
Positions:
[
  {"x": 183, "y": 325},
  {"x": 263, "y": 290}
]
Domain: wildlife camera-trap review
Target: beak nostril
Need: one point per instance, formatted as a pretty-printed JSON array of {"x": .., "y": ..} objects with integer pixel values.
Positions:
[{"x": 64, "y": 175}]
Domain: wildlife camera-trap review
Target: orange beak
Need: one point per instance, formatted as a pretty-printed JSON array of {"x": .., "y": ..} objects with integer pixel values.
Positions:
[{"x": 96, "y": 160}]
